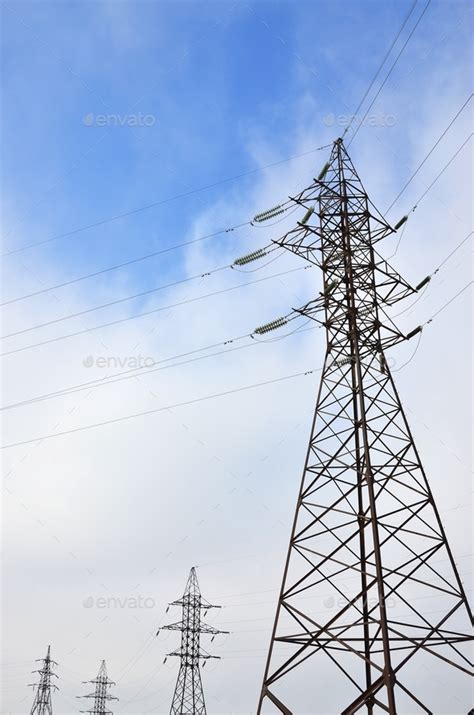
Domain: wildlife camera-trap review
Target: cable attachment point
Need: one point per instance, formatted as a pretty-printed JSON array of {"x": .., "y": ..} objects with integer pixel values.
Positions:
[
  {"x": 273, "y": 325},
  {"x": 270, "y": 213}
]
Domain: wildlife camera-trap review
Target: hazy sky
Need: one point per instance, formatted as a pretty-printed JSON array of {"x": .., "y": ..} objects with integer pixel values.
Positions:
[{"x": 111, "y": 106}]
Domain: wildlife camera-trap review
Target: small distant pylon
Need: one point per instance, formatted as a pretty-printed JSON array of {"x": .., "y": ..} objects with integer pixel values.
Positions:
[
  {"x": 101, "y": 693},
  {"x": 188, "y": 696},
  {"x": 42, "y": 704}
]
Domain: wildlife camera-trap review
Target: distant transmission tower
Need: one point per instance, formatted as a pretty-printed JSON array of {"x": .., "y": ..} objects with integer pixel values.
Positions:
[
  {"x": 101, "y": 693},
  {"x": 188, "y": 696},
  {"x": 371, "y": 615},
  {"x": 42, "y": 704}
]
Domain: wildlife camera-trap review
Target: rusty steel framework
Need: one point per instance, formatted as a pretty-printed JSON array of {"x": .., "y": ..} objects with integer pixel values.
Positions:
[
  {"x": 42, "y": 704},
  {"x": 101, "y": 694},
  {"x": 370, "y": 584},
  {"x": 188, "y": 698}
]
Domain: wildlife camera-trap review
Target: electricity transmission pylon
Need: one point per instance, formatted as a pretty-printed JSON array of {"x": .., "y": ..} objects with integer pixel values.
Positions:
[
  {"x": 372, "y": 614},
  {"x": 101, "y": 694},
  {"x": 188, "y": 698},
  {"x": 42, "y": 704}
]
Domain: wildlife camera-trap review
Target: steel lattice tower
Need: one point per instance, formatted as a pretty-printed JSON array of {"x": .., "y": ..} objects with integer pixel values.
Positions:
[
  {"x": 366, "y": 527},
  {"x": 42, "y": 704},
  {"x": 101, "y": 693},
  {"x": 188, "y": 698}
]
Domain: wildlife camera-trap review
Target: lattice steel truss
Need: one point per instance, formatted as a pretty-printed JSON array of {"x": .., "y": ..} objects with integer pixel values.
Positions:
[
  {"x": 188, "y": 698},
  {"x": 370, "y": 583},
  {"x": 101, "y": 694},
  {"x": 42, "y": 704}
]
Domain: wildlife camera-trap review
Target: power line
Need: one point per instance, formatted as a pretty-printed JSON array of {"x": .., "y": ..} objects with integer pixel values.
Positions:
[
  {"x": 149, "y": 312},
  {"x": 442, "y": 171},
  {"x": 126, "y": 374},
  {"x": 453, "y": 252},
  {"x": 429, "y": 153},
  {"x": 446, "y": 166},
  {"x": 443, "y": 307},
  {"x": 380, "y": 68},
  {"x": 135, "y": 295},
  {"x": 153, "y": 254},
  {"x": 115, "y": 302},
  {"x": 198, "y": 399},
  {"x": 160, "y": 203},
  {"x": 145, "y": 257},
  {"x": 390, "y": 72},
  {"x": 161, "y": 409},
  {"x": 134, "y": 372}
]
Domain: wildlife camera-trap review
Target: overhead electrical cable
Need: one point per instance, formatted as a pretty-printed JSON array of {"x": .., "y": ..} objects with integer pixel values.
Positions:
[
  {"x": 130, "y": 262},
  {"x": 374, "y": 78},
  {"x": 404, "y": 219},
  {"x": 146, "y": 370},
  {"x": 389, "y": 72},
  {"x": 446, "y": 166},
  {"x": 405, "y": 186},
  {"x": 151, "y": 312},
  {"x": 163, "y": 201},
  {"x": 206, "y": 397},
  {"x": 268, "y": 250},
  {"x": 161, "y": 409},
  {"x": 134, "y": 372}
]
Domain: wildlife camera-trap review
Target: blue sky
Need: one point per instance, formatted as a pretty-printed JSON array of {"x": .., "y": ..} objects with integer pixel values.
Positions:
[{"x": 229, "y": 87}]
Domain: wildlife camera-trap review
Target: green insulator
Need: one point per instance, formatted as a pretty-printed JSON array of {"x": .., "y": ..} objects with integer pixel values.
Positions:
[
  {"x": 307, "y": 216},
  {"x": 273, "y": 325},
  {"x": 330, "y": 287},
  {"x": 254, "y": 256},
  {"x": 323, "y": 171}
]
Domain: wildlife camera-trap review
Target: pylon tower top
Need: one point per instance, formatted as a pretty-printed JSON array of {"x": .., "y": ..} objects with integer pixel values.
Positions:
[
  {"x": 42, "y": 703},
  {"x": 101, "y": 694}
]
